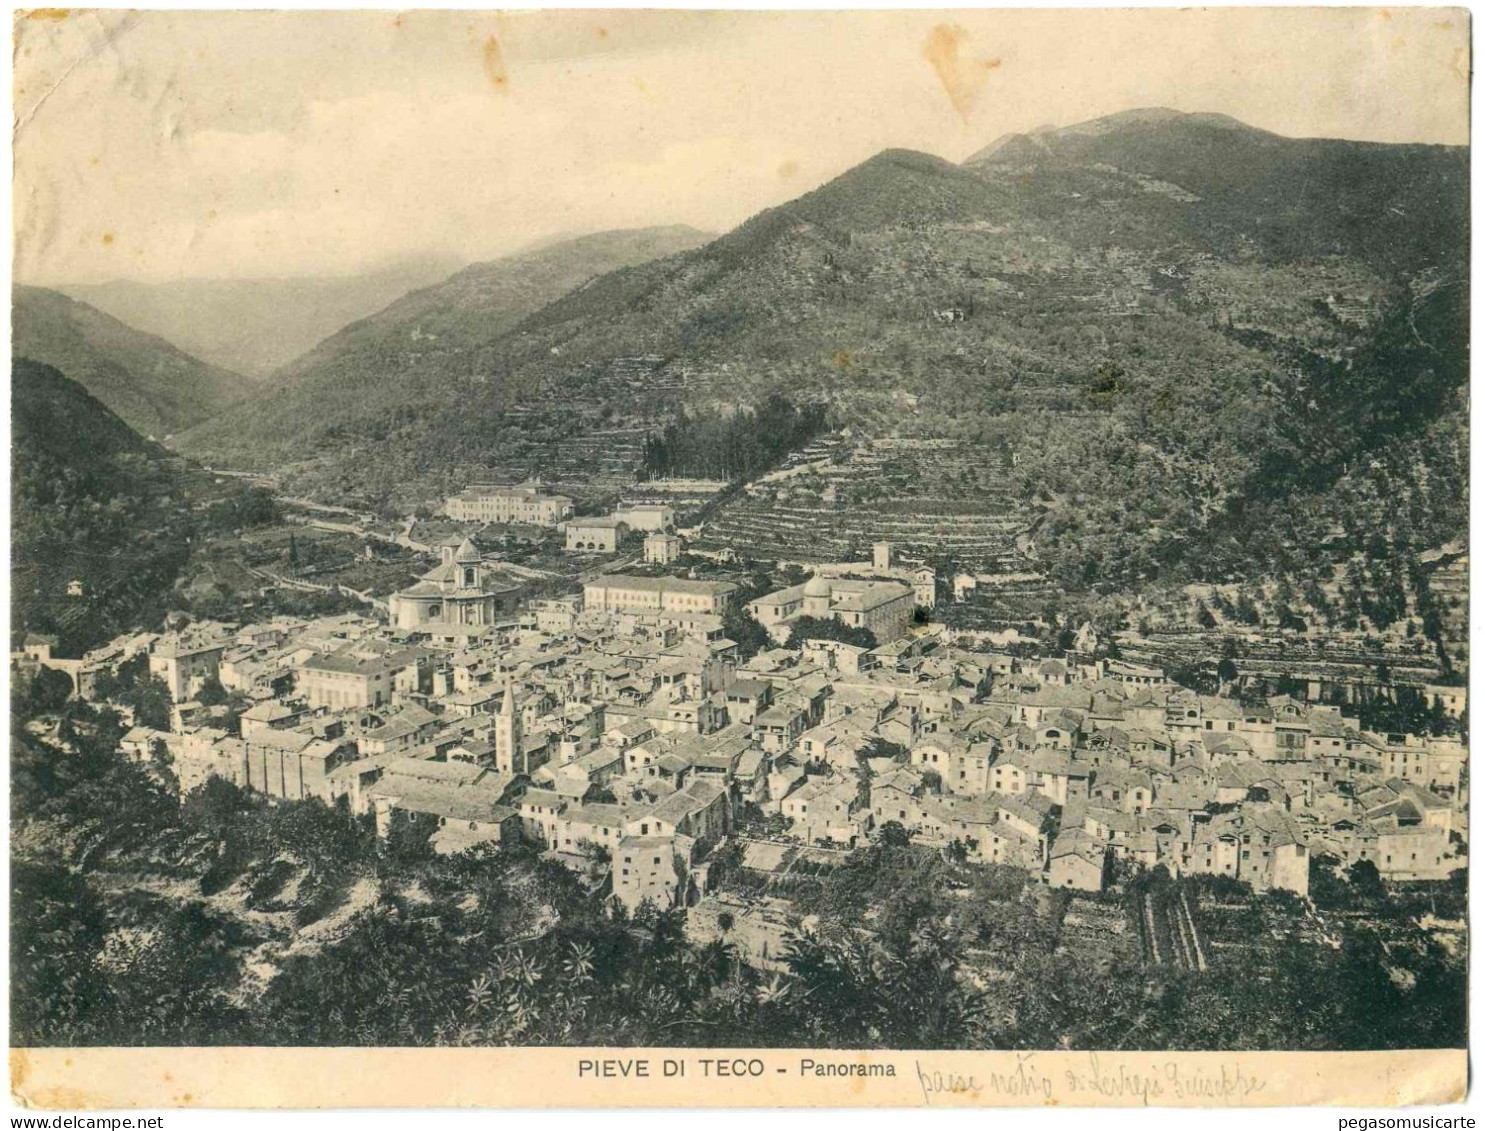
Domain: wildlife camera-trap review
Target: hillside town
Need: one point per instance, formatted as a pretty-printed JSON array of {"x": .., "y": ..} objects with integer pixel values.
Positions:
[
  {"x": 527, "y": 558},
  {"x": 623, "y": 733}
]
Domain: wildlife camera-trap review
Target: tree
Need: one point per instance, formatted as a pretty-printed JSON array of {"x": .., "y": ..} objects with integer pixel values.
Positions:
[
  {"x": 892, "y": 834},
  {"x": 256, "y": 507},
  {"x": 597, "y": 855},
  {"x": 409, "y": 838},
  {"x": 736, "y": 446},
  {"x": 47, "y": 691},
  {"x": 727, "y": 859},
  {"x": 743, "y": 628},
  {"x": 1204, "y": 616},
  {"x": 1245, "y": 609},
  {"x": 164, "y": 762},
  {"x": 1365, "y": 878},
  {"x": 1106, "y": 383},
  {"x": 829, "y": 628},
  {"x": 879, "y": 747},
  {"x": 150, "y": 700},
  {"x": 58, "y": 927}
]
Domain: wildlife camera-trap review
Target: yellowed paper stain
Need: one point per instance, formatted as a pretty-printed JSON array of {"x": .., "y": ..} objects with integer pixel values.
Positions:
[{"x": 962, "y": 78}]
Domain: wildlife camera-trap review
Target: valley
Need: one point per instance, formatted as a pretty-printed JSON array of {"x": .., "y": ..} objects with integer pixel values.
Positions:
[
  {"x": 1017, "y": 604},
  {"x": 1126, "y": 357},
  {"x": 1112, "y": 333}
]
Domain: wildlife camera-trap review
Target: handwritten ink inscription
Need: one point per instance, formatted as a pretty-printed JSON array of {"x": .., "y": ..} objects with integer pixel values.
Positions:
[{"x": 1093, "y": 1081}]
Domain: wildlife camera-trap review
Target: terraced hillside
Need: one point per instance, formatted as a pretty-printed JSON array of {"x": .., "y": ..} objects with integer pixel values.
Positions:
[
  {"x": 933, "y": 499},
  {"x": 1201, "y": 351},
  {"x": 99, "y": 525},
  {"x": 375, "y": 380},
  {"x": 1330, "y": 660}
]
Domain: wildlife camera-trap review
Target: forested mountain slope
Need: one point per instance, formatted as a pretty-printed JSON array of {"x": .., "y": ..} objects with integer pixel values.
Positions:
[
  {"x": 91, "y": 502},
  {"x": 154, "y": 386},
  {"x": 1202, "y": 348},
  {"x": 375, "y": 373}
]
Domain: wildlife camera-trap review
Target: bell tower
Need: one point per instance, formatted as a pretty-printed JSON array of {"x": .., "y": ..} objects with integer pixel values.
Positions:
[{"x": 508, "y": 755}]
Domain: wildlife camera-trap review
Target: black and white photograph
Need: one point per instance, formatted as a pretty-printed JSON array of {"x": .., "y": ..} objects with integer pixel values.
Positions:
[{"x": 818, "y": 531}]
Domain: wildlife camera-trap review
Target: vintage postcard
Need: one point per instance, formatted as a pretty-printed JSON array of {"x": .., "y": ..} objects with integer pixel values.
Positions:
[{"x": 674, "y": 558}]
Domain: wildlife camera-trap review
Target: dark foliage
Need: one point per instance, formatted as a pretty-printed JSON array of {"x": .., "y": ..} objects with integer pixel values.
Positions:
[
  {"x": 738, "y": 446},
  {"x": 828, "y": 628}
]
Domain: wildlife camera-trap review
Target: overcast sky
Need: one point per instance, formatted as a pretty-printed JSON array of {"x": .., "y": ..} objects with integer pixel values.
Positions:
[{"x": 233, "y": 144}]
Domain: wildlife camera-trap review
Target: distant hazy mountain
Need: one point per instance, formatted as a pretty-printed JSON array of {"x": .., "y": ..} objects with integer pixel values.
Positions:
[
  {"x": 1201, "y": 342},
  {"x": 254, "y": 326},
  {"x": 154, "y": 386},
  {"x": 380, "y": 365}
]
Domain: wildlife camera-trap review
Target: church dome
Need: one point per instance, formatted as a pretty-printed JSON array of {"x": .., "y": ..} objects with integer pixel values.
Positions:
[{"x": 817, "y": 587}]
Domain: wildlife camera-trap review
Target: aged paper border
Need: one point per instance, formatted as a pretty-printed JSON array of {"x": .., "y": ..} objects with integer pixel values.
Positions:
[
  {"x": 544, "y": 1078},
  {"x": 348, "y": 1078}
]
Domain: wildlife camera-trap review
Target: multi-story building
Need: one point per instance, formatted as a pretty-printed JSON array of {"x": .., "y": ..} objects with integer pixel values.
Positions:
[
  {"x": 600, "y": 535},
  {"x": 348, "y": 679},
  {"x": 653, "y": 869},
  {"x": 524, "y": 504},
  {"x": 293, "y": 764},
  {"x": 624, "y": 593},
  {"x": 475, "y": 802},
  {"x": 1436, "y": 763},
  {"x": 1260, "y": 845},
  {"x": 649, "y": 517},
  {"x": 925, "y": 587},
  {"x": 1413, "y": 852},
  {"x": 662, "y": 549},
  {"x": 885, "y": 608},
  {"x": 186, "y": 661}
]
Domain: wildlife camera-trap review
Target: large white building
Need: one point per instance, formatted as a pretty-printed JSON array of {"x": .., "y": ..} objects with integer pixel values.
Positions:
[
  {"x": 601, "y": 534},
  {"x": 461, "y": 592},
  {"x": 186, "y": 661},
  {"x": 662, "y": 549},
  {"x": 649, "y": 517},
  {"x": 354, "y": 678},
  {"x": 883, "y": 607},
  {"x": 524, "y": 504},
  {"x": 925, "y": 586},
  {"x": 622, "y": 593}
]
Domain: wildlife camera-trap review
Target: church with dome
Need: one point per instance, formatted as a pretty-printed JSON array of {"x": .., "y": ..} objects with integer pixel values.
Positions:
[
  {"x": 461, "y": 593},
  {"x": 885, "y": 608}
]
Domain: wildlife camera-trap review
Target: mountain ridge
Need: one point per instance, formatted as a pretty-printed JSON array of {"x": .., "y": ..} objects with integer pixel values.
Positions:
[
  {"x": 410, "y": 352},
  {"x": 480, "y": 286},
  {"x": 1126, "y": 318},
  {"x": 151, "y": 383},
  {"x": 256, "y": 325}
]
